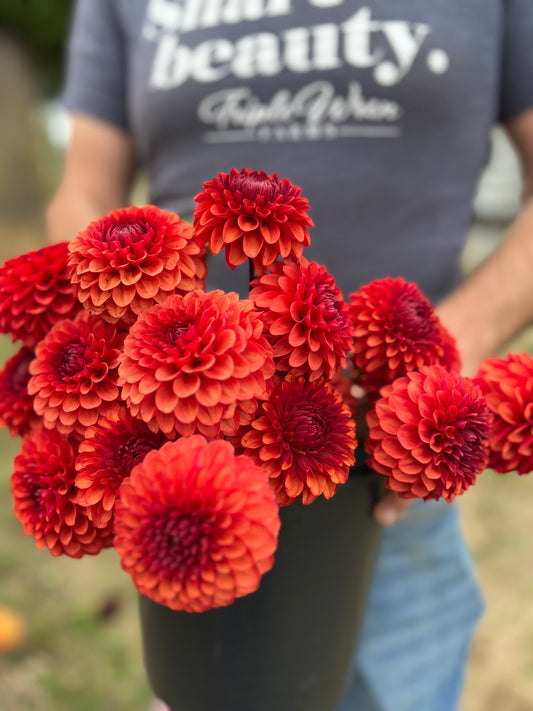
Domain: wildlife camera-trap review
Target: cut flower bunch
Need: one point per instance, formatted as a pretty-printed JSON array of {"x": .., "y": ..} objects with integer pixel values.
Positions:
[{"x": 173, "y": 422}]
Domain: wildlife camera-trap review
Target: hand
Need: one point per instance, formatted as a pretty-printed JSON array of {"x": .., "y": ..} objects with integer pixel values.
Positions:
[{"x": 390, "y": 508}]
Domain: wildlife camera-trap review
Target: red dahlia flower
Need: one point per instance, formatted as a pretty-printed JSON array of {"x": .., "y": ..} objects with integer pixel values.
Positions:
[
  {"x": 36, "y": 293},
  {"x": 133, "y": 257},
  {"x": 254, "y": 216},
  {"x": 428, "y": 434},
  {"x": 75, "y": 373},
  {"x": 306, "y": 319},
  {"x": 106, "y": 457},
  {"x": 507, "y": 384},
  {"x": 196, "y": 526},
  {"x": 16, "y": 404},
  {"x": 44, "y": 491},
  {"x": 304, "y": 436},
  {"x": 396, "y": 331},
  {"x": 196, "y": 363}
]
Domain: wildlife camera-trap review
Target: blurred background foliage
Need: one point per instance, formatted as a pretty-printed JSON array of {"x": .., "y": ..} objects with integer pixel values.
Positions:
[
  {"x": 32, "y": 39},
  {"x": 40, "y": 26}
]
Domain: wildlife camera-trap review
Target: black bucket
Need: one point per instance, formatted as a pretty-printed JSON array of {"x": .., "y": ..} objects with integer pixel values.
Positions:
[{"x": 288, "y": 646}]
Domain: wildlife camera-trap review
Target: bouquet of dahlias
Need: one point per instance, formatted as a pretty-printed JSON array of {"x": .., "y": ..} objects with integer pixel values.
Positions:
[{"x": 172, "y": 422}]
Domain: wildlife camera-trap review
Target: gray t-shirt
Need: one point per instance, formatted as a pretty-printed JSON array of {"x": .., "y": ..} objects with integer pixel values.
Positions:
[{"x": 380, "y": 111}]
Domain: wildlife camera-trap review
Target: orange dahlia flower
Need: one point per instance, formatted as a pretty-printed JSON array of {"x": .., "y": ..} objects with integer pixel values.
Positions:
[
  {"x": 306, "y": 319},
  {"x": 304, "y": 436},
  {"x": 131, "y": 258},
  {"x": 106, "y": 457},
  {"x": 253, "y": 216},
  {"x": 196, "y": 363},
  {"x": 507, "y": 384},
  {"x": 196, "y": 526},
  {"x": 16, "y": 404},
  {"x": 44, "y": 491},
  {"x": 396, "y": 331},
  {"x": 75, "y": 373},
  {"x": 428, "y": 434},
  {"x": 36, "y": 293}
]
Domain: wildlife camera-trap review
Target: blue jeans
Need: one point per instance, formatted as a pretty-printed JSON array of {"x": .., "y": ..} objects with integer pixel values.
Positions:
[{"x": 423, "y": 606}]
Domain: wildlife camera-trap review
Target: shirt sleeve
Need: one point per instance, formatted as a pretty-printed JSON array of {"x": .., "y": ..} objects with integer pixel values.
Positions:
[
  {"x": 95, "y": 79},
  {"x": 517, "y": 59}
]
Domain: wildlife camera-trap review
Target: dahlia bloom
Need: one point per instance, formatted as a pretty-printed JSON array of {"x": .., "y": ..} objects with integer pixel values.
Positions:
[
  {"x": 253, "y": 216},
  {"x": 304, "y": 437},
  {"x": 44, "y": 492},
  {"x": 428, "y": 434},
  {"x": 16, "y": 404},
  {"x": 75, "y": 373},
  {"x": 196, "y": 526},
  {"x": 36, "y": 293},
  {"x": 196, "y": 363},
  {"x": 124, "y": 262},
  {"x": 396, "y": 331},
  {"x": 507, "y": 384},
  {"x": 106, "y": 457},
  {"x": 306, "y": 319}
]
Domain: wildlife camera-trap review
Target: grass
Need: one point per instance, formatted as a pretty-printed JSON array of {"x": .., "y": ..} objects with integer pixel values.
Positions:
[
  {"x": 497, "y": 525},
  {"x": 82, "y": 648}
]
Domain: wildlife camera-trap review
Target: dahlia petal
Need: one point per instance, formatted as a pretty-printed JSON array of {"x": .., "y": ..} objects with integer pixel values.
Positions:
[
  {"x": 210, "y": 417},
  {"x": 98, "y": 298},
  {"x": 107, "y": 390},
  {"x": 71, "y": 403},
  {"x": 123, "y": 295},
  {"x": 231, "y": 231},
  {"x": 188, "y": 410},
  {"x": 235, "y": 255},
  {"x": 147, "y": 288},
  {"x": 87, "y": 417},
  {"x": 108, "y": 280},
  {"x": 270, "y": 232},
  {"x": 209, "y": 394},
  {"x": 408, "y": 436},
  {"x": 251, "y": 244},
  {"x": 165, "y": 399},
  {"x": 187, "y": 384},
  {"x": 297, "y": 336},
  {"x": 298, "y": 357}
]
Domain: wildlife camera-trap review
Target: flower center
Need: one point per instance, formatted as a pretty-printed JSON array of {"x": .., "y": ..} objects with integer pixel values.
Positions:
[
  {"x": 71, "y": 360},
  {"x": 183, "y": 542},
  {"x": 125, "y": 234},
  {"x": 329, "y": 306},
  {"x": 415, "y": 318},
  {"x": 177, "y": 331},
  {"x": 309, "y": 430},
  {"x": 255, "y": 184},
  {"x": 132, "y": 452}
]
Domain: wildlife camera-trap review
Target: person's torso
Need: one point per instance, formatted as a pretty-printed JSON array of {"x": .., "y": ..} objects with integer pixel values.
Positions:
[{"x": 380, "y": 111}]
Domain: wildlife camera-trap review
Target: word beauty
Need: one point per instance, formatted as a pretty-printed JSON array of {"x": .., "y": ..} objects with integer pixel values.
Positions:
[{"x": 388, "y": 48}]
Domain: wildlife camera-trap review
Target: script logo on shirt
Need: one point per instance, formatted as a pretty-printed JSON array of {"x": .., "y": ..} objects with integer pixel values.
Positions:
[{"x": 385, "y": 50}]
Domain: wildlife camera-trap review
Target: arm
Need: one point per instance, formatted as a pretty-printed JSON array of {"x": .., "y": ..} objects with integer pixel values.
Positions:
[
  {"x": 496, "y": 301},
  {"x": 98, "y": 172}
]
